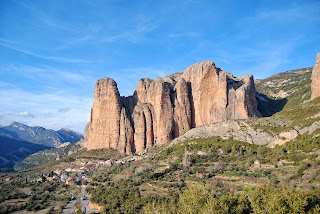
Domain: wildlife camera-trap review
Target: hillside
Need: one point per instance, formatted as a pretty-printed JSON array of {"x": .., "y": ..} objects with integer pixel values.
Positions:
[
  {"x": 13, "y": 151},
  {"x": 40, "y": 135},
  {"x": 283, "y": 90},
  {"x": 292, "y": 90},
  {"x": 46, "y": 156},
  {"x": 226, "y": 174}
]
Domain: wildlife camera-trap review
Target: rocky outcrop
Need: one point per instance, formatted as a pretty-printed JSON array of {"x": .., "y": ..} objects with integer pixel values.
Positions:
[
  {"x": 236, "y": 129},
  {"x": 284, "y": 137},
  {"x": 246, "y": 131},
  {"x": 165, "y": 108},
  {"x": 315, "y": 86}
]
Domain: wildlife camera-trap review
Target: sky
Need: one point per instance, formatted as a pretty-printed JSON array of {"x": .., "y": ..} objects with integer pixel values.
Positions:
[{"x": 52, "y": 52}]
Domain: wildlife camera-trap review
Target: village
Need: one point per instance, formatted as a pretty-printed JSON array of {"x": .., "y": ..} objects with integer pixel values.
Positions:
[{"x": 76, "y": 172}]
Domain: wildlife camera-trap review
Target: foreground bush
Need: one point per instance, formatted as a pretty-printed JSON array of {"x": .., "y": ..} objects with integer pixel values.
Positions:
[{"x": 263, "y": 199}]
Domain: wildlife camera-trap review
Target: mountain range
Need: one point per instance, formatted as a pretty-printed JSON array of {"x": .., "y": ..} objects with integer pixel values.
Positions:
[
  {"x": 17, "y": 141},
  {"x": 40, "y": 135}
]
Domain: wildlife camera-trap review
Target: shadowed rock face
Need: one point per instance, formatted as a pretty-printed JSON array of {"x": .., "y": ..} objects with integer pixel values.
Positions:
[
  {"x": 315, "y": 86},
  {"x": 165, "y": 108}
]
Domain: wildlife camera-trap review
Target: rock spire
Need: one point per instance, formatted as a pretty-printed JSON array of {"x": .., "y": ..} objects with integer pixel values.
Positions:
[
  {"x": 167, "y": 107},
  {"x": 315, "y": 86}
]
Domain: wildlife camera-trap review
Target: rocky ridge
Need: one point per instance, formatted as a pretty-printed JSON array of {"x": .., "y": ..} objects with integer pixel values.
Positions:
[
  {"x": 40, "y": 135},
  {"x": 246, "y": 131},
  {"x": 165, "y": 108},
  {"x": 284, "y": 84}
]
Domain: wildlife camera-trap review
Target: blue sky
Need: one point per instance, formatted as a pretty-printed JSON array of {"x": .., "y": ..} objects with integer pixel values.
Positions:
[{"x": 52, "y": 52}]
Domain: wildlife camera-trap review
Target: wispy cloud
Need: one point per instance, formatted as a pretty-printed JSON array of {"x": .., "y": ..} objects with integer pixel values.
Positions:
[
  {"x": 193, "y": 2},
  {"x": 292, "y": 13},
  {"x": 137, "y": 30},
  {"x": 57, "y": 97},
  {"x": 64, "y": 110},
  {"x": 7, "y": 41},
  {"x": 45, "y": 18},
  {"x": 47, "y": 72},
  {"x": 20, "y": 114},
  {"x": 280, "y": 23},
  {"x": 31, "y": 53},
  {"x": 42, "y": 109},
  {"x": 84, "y": 34},
  {"x": 261, "y": 62},
  {"x": 5, "y": 84},
  {"x": 183, "y": 34}
]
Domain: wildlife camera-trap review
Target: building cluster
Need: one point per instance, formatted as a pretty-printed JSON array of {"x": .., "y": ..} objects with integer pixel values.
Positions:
[
  {"x": 76, "y": 176},
  {"x": 119, "y": 162},
  {"x": 69, "y": 176}
]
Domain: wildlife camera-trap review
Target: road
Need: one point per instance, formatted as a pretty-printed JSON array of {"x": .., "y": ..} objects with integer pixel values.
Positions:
[
  {"x": 69, "y": 208},
  {"x": 84, "y": 203}
]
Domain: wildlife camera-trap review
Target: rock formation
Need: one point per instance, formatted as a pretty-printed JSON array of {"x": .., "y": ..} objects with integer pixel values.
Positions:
[
  {"x": 315, "y": 86},
  {"x": 250, "y": 131},
  {"x": 167, "y": 107}
]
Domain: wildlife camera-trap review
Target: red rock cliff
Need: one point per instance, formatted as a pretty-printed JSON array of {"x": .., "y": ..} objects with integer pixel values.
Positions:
[
  {"x": 165, "y": 108},
  {"x": 315, "y": 86}
]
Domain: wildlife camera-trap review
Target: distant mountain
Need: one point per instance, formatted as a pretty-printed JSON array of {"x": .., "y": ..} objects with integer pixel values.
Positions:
[
  {"x": 40, "y": 135},
  {"x": 48, "y": 155},
  {"x": 13, "y": 151},
  {"x": 69, "y": 135}
]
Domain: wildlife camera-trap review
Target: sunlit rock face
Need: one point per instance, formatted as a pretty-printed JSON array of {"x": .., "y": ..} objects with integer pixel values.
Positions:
[
  {"x": 315, "y": 86},
  {"x": 167, "y": 107}
]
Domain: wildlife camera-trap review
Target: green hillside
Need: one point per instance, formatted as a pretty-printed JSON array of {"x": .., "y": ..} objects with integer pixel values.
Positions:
[
  {"x": 46, "y": 156},
  {"x": 227, "y": 176},
  {"x": 283, "y": 90}
]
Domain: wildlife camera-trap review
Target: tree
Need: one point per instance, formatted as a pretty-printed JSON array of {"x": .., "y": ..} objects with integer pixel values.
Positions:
[{"x": 193, "y": 199}]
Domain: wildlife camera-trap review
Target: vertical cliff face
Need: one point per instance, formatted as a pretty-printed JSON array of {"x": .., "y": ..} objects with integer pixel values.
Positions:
[
  {"x": 165, "y": 108},
  {"x": 104, "y": 126},
  {"x": 182, "y": 108},
  {"x": 315, "y": 86}
]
